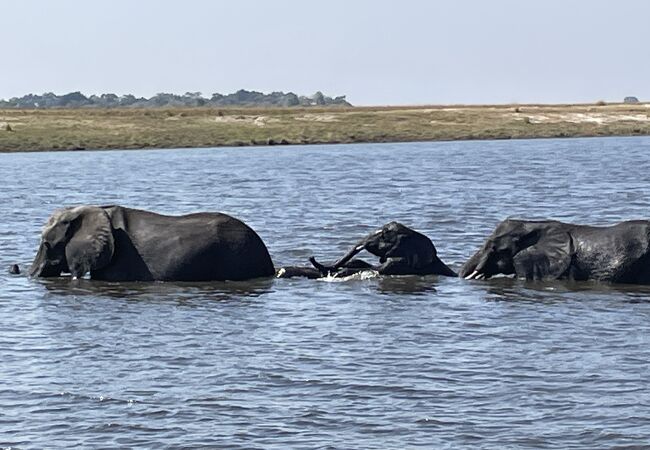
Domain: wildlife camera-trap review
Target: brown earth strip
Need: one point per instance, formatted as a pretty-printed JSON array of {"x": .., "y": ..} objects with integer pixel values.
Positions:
[{"x": 75, "y": 129}]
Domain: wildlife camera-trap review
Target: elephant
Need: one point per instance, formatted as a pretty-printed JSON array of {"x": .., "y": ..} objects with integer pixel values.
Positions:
[
  {"x": 14, "y": 269},
  {"x": 401, "y": 251},
  {"x": 550, "y": 250},
  {"x": 349, "y": 268},
  {"x": 115, "y": 243}
]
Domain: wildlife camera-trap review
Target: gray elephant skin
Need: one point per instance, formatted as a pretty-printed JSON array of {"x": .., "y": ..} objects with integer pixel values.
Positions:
[
  {"x": 549, "y": 250},
  {"x": 115, "y": 243},
  {"x": 401, "y": 251}
]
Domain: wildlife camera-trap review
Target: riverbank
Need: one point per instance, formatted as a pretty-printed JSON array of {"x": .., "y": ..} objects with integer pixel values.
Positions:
[{"x": 123, "y": 128}]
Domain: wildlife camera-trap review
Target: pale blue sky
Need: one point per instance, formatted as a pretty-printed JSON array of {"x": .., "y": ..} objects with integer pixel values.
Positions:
[{"x": 374, "y": 51}]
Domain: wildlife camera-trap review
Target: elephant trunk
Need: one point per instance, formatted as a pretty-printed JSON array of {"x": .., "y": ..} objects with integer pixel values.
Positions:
[
  {"x": 349, "y": 255},
  {"x": 474, "y": 268},
  {"x": 39, "y": 262},
  {"x": 479, "y": 272},
  {"x": 41, "y": 267},
  {"x": 325, "y": 270}
]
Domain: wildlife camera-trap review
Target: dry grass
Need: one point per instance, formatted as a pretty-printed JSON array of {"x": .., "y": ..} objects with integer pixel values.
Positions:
[{"x": 66, "y": 129}]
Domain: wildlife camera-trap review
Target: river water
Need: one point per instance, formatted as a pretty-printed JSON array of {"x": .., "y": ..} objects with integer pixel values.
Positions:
[{"x": 403, "y": 362}]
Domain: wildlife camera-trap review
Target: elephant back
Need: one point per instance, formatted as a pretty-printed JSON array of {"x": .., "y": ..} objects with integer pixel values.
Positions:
[
  {"x": 206, "y": 246},
  {"x": 241, "y": 253}
]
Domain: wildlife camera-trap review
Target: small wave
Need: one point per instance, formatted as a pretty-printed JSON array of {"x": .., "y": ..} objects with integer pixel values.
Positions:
[{"x": 359, "y": 276}]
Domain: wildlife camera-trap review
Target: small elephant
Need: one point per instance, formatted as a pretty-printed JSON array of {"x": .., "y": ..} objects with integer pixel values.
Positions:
[
  {"x": 14, "y": 269},
  {"x": 115, "y": 243},
  {"x": 401, "y": 251},
  {"x": 349, "y": 268},
  {"x": 548, "y": 250}
]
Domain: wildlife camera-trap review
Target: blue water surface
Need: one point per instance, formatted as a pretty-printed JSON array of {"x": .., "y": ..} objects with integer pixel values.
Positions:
[{"x": 380, "y": 363}]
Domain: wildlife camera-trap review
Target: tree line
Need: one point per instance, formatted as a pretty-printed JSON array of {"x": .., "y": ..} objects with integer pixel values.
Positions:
[{"x": 189, "y": 99}]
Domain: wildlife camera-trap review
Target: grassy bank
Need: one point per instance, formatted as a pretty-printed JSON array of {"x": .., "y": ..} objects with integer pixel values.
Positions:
[{"x": 66, "y": 129}]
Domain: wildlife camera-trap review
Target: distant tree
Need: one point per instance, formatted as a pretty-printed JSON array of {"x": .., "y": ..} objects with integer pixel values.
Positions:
[
  {"x": 127, "y": 100},
  {"x": 73, "y": 99},
  {"x": 340, "y": 100},
  {"x": 110, "y": 99},
  {"x": 290, "y": 99},
  {"x": 318, "y": 98},
  {"x": 193, "y": 99}
]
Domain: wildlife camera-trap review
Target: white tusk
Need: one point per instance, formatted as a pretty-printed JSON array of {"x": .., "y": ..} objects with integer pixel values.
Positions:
[
  {"x": 281, "y": 272},
  {"x": 471, "y": 275},
  {"x": 480, "y": 276}
]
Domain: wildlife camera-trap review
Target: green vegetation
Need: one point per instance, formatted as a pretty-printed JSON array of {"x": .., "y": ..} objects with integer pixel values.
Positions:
[
  {"x": 163, "y": 100},
  {"x": 117, "y": 128}
]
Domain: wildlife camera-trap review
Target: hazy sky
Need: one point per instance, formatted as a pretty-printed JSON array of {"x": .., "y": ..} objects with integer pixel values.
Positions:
[{"x": 374, "y": 51}]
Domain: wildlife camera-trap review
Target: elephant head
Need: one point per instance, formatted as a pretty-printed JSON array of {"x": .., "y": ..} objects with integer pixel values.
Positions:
[
  {"x": 393, "y": 240},
  {"x": 75, "y": 240},
  {"x": 528, "y": 249}
]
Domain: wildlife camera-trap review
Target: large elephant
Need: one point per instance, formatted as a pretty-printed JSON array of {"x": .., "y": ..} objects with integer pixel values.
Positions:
[
  {"x": 114, "y": 243},
  {"x": 547, "y": 250},
  {"x": 401, "y": 251}
]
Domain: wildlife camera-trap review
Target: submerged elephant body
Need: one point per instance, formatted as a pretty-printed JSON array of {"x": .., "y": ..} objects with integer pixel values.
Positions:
[
  {"x": 319, "y": 271},
  {"x": 401, "y": 251},
  {"x": 545, "y": 250},
  {"x": 114, "y": 243}
]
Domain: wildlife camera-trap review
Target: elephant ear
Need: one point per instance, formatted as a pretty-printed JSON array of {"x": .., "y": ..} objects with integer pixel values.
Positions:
[
  {"x": 548, "y": 259},
  {"x": 416, "y": 248},
  {"x": 91, "y": 243}
]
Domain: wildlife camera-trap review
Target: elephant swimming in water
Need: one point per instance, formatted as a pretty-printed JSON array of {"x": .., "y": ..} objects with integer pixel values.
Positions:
[
  {"x": 115, "y": 243},
  {"x": 401, "y": 251},
  {"x": 548, "y": 250}
]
